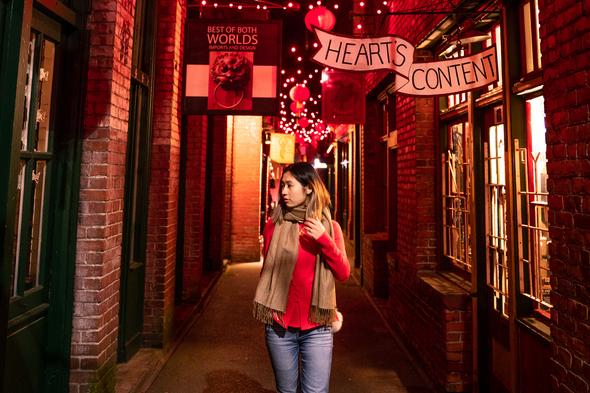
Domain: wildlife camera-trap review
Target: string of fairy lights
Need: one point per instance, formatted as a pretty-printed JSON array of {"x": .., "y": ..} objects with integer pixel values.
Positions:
[{"x": 302, "y": 118}]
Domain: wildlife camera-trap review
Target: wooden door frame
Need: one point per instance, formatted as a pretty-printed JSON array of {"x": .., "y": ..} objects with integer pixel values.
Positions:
[
  {"x": 67, "y": 148},
  {"x": 18, "y": 16},
  {"x": 143, "y": 116}
]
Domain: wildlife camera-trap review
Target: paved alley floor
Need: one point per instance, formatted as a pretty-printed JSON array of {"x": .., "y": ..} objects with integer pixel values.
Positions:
[{"x": 224, "y": 350}]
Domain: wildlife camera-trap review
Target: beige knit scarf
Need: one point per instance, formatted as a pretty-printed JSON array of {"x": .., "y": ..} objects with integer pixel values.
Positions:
[{"x": 275, "y": 279}]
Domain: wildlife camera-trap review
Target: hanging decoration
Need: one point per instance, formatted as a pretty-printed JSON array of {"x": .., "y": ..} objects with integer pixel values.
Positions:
[
  {"x": 299, "y": 93},
  {"x": 397, "y": 55},
  {"x": 303, "y": 122},
  {"x": 282, "y": 148},
  {"x": 301, "y": 79},
  {"x": 296, "y": 107},
  {"x": 320, "y": 17}
]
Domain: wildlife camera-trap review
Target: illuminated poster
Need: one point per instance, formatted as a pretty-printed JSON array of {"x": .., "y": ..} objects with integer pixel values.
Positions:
[
  {"x": 232, "y": 67},
  {"x": 282, "y": 148}
]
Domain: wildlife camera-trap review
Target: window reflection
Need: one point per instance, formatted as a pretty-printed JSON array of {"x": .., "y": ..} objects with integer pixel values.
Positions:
[
  {"x": 496, "y": 218},
  {"x": 44, "y": 94},
  {"x": 531, "y": 183},
  {"x": 456, "y": 202},
  {"x": 35, "y": 160}
]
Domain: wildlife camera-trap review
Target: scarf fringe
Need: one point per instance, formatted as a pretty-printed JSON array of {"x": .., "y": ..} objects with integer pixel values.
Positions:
[
  {"x": 264, "y": 314},
  {"x": 317, "y": 315},
  {"x": 322, "y": 316}
]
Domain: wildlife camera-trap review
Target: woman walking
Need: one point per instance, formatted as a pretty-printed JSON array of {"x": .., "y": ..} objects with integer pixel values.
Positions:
[{"x": 296, "y": 296}]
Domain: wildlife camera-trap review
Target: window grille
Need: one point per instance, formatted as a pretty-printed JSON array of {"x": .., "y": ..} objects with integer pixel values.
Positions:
[
  {"x": 457, "y": 190},
  {"x": 496, "y": 236},
  {"x": 35, "y": 160},
  {"x": 532, "y": 210}
]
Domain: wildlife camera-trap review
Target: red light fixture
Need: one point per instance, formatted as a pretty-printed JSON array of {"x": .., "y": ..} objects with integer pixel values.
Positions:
[
  {"x": 320, "y": 17},
  {"x": 299, "y": 93},
  {"x": 303, "y": 122}
]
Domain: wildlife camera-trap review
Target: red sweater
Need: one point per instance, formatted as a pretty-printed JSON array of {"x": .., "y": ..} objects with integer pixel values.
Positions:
[{"x": 299, "y": 300}]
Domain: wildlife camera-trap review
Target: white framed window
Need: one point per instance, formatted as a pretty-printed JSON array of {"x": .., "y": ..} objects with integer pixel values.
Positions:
[
  {"x": 531, "y": 41},
  {"x": 533, "y": 210},
  {"x": 496, "y": 228},
  {"x": 457, "y": 190}
]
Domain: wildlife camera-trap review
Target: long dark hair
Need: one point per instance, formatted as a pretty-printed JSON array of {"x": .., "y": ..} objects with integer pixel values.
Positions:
[{"x": 318, "y": 200}]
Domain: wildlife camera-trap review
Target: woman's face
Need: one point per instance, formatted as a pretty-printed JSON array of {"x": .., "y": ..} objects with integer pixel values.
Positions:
[{"x": 292, "y": 192}]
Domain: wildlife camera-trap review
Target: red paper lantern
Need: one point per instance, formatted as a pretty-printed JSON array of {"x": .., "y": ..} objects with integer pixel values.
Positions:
[
  {"x": 299, "y": 93},
  {"x": 320, "y": 17},
  {"x": 303, "y": 122},
  {"x": 296, "y": 107}
]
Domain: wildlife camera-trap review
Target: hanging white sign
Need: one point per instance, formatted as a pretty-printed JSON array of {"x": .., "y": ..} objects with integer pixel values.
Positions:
[{"x": 396, "y": 54}]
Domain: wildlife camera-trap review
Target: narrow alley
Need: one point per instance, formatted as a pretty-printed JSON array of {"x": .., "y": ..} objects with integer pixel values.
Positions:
[
  {"x": 224, "y": 350},
  {"x": 148, "y": 148}
]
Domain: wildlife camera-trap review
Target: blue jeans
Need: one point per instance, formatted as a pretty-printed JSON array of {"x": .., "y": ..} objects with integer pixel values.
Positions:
[{"x": 315, "y": 347}]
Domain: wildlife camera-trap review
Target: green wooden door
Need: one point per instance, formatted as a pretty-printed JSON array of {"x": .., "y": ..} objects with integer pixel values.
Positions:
[
  {"x": 137, "y": 182},
  {"x": 42, "y": 215},
  {"x": 135, "y": 225}
]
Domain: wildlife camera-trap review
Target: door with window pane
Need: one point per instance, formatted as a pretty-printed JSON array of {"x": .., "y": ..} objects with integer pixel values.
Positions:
[
  {"x": 496, "y": 252},
  {"x": 30, "y": 278},
  {"x": 137, "y": 183}
]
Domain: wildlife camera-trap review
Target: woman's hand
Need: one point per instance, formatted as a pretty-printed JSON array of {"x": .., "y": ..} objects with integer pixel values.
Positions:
[{"x": 314, "y": 228}]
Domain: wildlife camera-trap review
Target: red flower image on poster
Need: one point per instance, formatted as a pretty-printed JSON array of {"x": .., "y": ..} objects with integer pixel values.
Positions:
[{"x": 230, "y": 80}]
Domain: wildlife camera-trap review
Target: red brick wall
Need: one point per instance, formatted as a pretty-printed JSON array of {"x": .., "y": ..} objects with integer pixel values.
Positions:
[
  {"x": 425, "y": 138},
  {"x": 100, "y": 221},
  {"x": 406, "y": 185},
  {"x": 565, "y": 34},
  {"x": 245, "y": 246},
  {"x": 165, "y": 164},
  {"x": 431, "y": 313},
  {"x": 194, "y": 194},
  {"x": 436, "y": 313}
]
